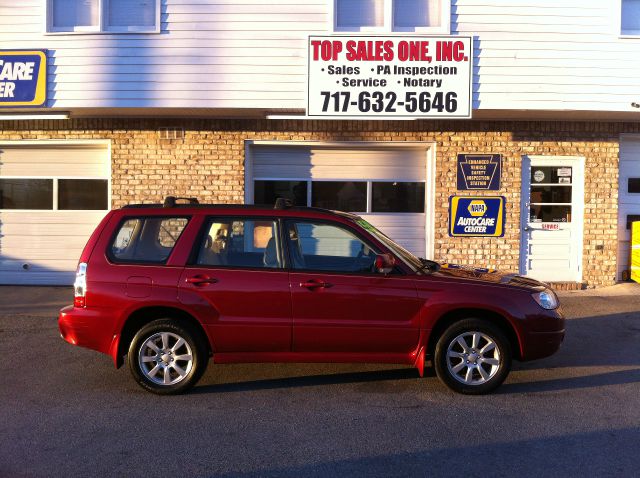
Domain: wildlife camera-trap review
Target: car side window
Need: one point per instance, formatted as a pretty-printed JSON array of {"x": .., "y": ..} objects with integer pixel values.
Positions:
[
  {"x": 237, "y": 242},
  {"x": 147, "y": 239},
  {"x": 321, "y": 246}
]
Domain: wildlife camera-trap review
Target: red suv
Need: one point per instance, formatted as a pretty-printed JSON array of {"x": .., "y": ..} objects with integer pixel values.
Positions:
[{"x": 166, "y": 287}]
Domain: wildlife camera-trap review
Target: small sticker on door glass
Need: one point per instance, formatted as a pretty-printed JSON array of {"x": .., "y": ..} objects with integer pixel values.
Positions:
[
  {"x": 564, "y": 180},
  {"x": 538, "y": 176},
  {"x": 564, "y": 172}
]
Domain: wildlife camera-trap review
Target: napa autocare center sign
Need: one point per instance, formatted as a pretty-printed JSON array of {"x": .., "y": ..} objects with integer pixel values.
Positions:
[
  {"x": 476, "y": 216},
  {"x": 390, "y": 77},
  {"x": 23, "y": 78}
]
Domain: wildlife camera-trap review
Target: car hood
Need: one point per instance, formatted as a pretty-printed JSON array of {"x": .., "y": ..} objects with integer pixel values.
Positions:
[{"x": 488, "y": 276}]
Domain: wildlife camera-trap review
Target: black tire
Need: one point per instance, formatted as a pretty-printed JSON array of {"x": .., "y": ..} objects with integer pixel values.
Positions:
[
  {"x": 495, "y": 366},
  {"x": 182, "y": 374}
]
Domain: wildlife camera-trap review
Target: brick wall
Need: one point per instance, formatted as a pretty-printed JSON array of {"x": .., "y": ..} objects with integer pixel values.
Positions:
[{"x": 209, "y": 163}]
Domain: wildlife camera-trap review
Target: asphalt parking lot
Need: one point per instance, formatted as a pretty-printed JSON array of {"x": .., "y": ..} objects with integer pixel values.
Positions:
[{"x": 65, "y": 411}]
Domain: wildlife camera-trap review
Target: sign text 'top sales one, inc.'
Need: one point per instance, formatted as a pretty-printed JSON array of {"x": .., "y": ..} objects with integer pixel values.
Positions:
[{"x": 390, "y": 77}]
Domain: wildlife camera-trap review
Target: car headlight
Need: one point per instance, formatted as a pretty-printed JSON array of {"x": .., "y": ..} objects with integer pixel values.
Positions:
[{"x": 546, "y": 299}]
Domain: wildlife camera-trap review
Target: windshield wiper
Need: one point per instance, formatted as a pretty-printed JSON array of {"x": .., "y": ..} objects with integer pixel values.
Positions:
[{"x": 428, "y": 265}]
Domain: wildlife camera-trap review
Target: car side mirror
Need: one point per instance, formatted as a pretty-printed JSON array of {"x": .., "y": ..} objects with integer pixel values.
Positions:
[{"x": 385, "y": 263}]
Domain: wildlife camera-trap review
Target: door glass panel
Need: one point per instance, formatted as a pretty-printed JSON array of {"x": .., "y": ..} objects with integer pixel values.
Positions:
[
  {"x": 265, "y": 193},
  {"x": 324, "y": 247},
  {"x": 359, "y": 13},
  {"x": 545, "y": 213},
  {"x": 339, "y": 195},
  {"x": 556, "y": 194},
  {"x": 240, "y": 243},
  {"x": 83, "y": 194},
  {"x": 633, "y": 186},
  {"x": 26, "y": 193},
  {"x": 397, "y": 197},
  {"x": 416, "y": 13},
  {"x": 551, "y": 174}
]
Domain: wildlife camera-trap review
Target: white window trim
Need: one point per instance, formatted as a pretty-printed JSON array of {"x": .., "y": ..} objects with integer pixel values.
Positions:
[
  {"x": 387, "y": 27},
  {"x": 627, "y": 34},
  {"x": 101, "y": 28}
]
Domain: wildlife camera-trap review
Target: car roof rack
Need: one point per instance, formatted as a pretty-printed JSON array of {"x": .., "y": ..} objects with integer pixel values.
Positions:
[
  {"x": 280, "y": 204},
  {"x": 283, "y": 203},
  {"x": 170, "y": 201}
]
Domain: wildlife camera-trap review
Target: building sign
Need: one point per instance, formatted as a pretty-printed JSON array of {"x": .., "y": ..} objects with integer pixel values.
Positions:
[
  {"x": 473, "y": 216},
  {"x": 23, "y": 78},
  {"x": 479, "y": 171},
  {"x": 390, "y": 76}
]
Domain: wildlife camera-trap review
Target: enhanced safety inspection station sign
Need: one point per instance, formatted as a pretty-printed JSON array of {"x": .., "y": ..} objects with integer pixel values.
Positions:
[
  {"x": 479, "y": 172},
  {"x": 476, "y": 216},
  {"x": 400, "y": 77},
  {"x": 23, "y": 78}
]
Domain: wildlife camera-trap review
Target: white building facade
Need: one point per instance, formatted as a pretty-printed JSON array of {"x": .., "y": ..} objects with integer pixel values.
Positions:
[{"x": 212, "y": 99}]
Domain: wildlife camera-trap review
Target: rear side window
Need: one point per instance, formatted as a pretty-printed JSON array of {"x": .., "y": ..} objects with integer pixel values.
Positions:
[{"x": 147, "y": 239}]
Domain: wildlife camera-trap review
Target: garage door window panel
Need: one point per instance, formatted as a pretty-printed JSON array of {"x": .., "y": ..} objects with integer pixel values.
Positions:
[
  {"x": 340, "y": 195},
  {"x": 265, "y": 192},
  {"x": 83, "y": 194},
  {"x": 633, "y": 186},
  {"x": 23, "y": 193},
  {"x": 397, "y": 197}
]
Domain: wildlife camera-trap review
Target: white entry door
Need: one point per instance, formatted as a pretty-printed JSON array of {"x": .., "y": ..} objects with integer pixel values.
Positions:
[{"x": 552, "y": 218}]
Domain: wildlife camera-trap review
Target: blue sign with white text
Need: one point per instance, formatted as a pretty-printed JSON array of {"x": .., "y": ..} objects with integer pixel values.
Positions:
[
  {"x": 479, "y": 172},
  {"x": 476, "y": 216},
  {"x": 23, "y": 78}
]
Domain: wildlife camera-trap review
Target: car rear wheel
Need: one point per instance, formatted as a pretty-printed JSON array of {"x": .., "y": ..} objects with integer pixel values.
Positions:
[
  {"x": 473, "y": 357},
  {"x": 167, "y": 357}
]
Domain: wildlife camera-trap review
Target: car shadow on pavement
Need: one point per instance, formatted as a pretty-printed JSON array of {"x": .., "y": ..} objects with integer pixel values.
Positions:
[
  {"x": 562, "y": 455},
  {"x": 601, "y": 342},
  {"x": 310, "y": 381}
]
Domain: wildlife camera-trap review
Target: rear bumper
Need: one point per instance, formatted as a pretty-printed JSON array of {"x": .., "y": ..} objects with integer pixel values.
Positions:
[{"x": 85, "y": 328}]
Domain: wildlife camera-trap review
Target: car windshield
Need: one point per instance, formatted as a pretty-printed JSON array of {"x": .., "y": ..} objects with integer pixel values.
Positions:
[{"x": 407, "y": 257}]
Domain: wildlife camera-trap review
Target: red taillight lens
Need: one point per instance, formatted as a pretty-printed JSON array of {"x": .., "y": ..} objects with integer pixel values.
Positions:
[{"x": 80, "y": 286}]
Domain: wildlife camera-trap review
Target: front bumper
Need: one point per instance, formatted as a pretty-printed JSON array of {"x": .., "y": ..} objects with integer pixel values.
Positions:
[{"x": 544, "y": 336}]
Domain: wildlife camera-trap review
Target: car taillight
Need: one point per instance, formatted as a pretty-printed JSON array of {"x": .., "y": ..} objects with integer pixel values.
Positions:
[{"x": 80, "y": 286}]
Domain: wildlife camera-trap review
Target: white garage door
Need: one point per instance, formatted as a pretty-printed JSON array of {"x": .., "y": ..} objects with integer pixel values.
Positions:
[
  {"x": 52, "y": 196},
  {"x": 628, "y": 197},
  {"x": 388, "y": 186}
]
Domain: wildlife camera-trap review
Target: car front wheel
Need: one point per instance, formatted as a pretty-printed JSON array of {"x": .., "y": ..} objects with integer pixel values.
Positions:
[
  {"x": 472, "y": 357},
  {"x": 166, "y": 357}
]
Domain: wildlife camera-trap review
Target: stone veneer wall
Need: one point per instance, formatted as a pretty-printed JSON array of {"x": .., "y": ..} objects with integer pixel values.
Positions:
[{"x": 209, "y": 163}]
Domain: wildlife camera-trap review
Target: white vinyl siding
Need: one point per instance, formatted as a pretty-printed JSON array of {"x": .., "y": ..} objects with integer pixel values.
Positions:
[
  {"x": 628, "y": 203},
  {"x": 43, "y": 246},
  {"x": 344, "y": 163},
  {"x": 528, "y": 55}
]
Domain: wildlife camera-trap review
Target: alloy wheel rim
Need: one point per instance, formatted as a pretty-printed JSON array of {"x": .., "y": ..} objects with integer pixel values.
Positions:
[
  {"x": 473, "y": 358},
  {"x": 165, "y": 358}
]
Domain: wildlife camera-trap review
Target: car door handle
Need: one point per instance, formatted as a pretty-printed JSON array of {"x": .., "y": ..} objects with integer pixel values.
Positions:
[
  {"x": 315, "y": 284},
  {"x": 201, "y": 280}
]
